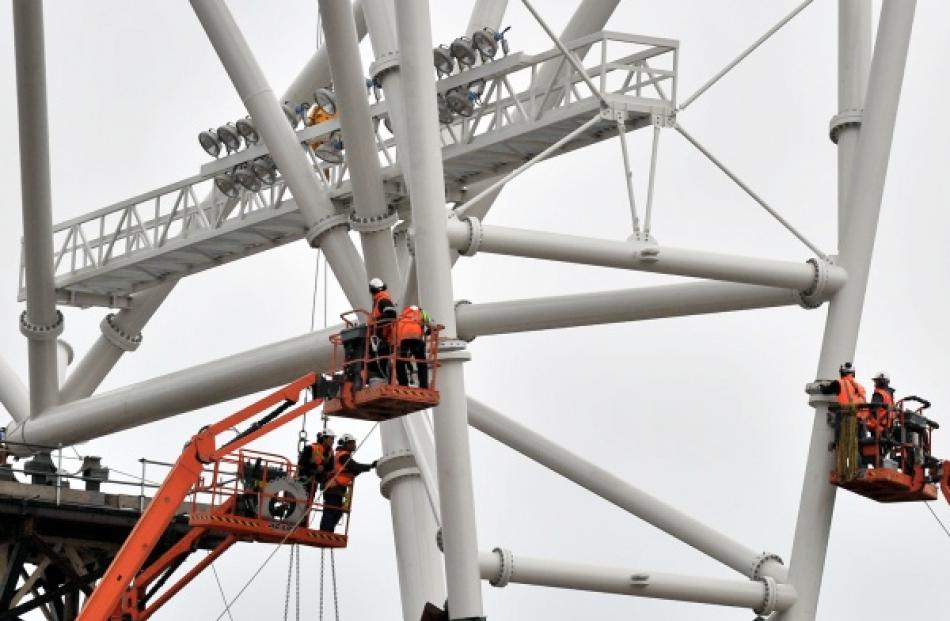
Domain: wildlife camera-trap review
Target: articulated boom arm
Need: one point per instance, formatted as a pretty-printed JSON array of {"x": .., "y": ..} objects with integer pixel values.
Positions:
[{"x": 201, "y": 450}]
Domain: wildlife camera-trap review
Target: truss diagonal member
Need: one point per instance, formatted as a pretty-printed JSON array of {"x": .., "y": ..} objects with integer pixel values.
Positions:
[
  {"x": 628, "y": 178},
  {"x": 540, "y": 157},
  {"x": 702, "y": 89},
  {"x": 501, "y": 567},
  {"x": 569, "y": 55},
  {"x": 648, "y": 216},
  {"x": 712, "y": 158},
  {"x": 620, "y": 493}
]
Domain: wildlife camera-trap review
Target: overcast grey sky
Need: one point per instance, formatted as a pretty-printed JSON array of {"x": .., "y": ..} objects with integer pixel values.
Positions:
[{"x": 708, "y": 413}]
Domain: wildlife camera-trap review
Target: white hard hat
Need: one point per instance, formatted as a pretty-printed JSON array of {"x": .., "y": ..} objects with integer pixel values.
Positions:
[
  {"x": 884, "y": 377},
  {"x": 376, "y": 284},
  {"x": 347, "y": 437},
  {"x": 328, "y": 433}
]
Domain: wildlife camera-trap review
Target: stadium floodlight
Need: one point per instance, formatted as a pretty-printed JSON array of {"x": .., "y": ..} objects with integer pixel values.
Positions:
[
  {"x": 445, "y": 115},
  {"x": 443, "y": 61},
  {"x": 326, "y": 100},
  {"x": 265, "y": 170},
  {"x": 246, "y": 128},
  {"x": 331, "y": 149},
  {"x": 460, "y": 102},
  {"x": 226, "y": 185},
  {"x": 210, "y": 143},
  {"x": 476, "y": 88},
  {"x": 247, "y": 179},
  {"x": 463, "y": 51},
  {"x": 229, "y": 136},
  {"x": 486, "y": 42},
  {"x": 291, "y": 115}
]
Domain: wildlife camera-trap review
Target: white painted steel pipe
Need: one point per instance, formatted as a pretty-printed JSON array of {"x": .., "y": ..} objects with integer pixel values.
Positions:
[
  {"x": 41, "y": 323},
  {"x": 13, "y": 393},
  {"x": 471, "y": 236},
  {"x": 854, "y": 58},
  {"x": 371, "y": 214},
  {"x": 866, "y": 189},
  {"x": 421, "y": 578},
  {"x": 433, "y": 267},
  {"x": 486, "y": 14},
  {"x": 316, "y": 73},
  {"x": 64, "y": 358},
  {"x": 308, "y": 191},
  {"x": 182, "y": 391},
  {"x": 633, "y": 582},
  {"x": 125, "y": 329},
  {"x": 642, "y": 303},
  {"x": 616, "y": 491}
]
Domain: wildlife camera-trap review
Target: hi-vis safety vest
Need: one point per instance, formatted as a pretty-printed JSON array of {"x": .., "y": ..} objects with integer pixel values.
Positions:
[
  {"x": 884, "y": 414},
  {"x": 851, "y": 394},
  {"x": 410, "y": 324},
  {"x": 377, "y": 297},
  {"x": 341, "y": 477}
]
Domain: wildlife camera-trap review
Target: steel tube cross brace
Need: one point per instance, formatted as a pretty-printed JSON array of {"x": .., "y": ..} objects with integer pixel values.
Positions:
[
  {"x": 311, "y": 195},
  {"x": 469, "y": 236},
  {"x": 502, "y": 567},
  {"x": 611, "y": 488}
]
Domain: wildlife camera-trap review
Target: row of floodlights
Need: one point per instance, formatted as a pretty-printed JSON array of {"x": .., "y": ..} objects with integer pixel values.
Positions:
[
  {"x": 251, "y": 176},
  {"x": 230, "y": 135},
  {"x": 466, "y": 51}
]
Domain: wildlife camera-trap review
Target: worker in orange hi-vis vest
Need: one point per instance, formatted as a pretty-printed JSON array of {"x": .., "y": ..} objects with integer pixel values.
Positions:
[
  {"x": 336, "y": 488},
  {"x": 410, "y": 337}
]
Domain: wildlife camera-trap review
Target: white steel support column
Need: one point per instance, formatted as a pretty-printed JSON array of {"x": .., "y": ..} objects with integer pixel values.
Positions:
[
  {"x": 501, "y": 567},
  {"x": 13, "y": 394},
  {"x": 866, "y": 187},
  {"x": 421, "y": 578},
  {"x": 854, "y": 56},
  {"x": 327, "y": 229},
  {"x": 121, "y": 332},
  {"x": 486, "y": 14},
  {"x": 433, "y": 266},
  {"x": 470, "y": 236},
  {"x": 41, "y": 323},
  {"x": 371, "y": 215},
  {"x": 620, "y": 493}
]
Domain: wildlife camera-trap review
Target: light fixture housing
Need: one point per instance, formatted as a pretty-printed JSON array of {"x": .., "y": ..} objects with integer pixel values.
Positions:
[
  {"x": 460, "y": 102},
  {"x": 246, "y": 128},
  {"x": 331, "y": 149},
  {"x": 291, "y": 115},
  {"x": 443, "y": 60},
  {"x": 264, "y": 169},
  {"x": 486, "y": 42},
  {"x": 445, "y": 115},
  {"x": 464, "y": 52},
  {"x": 226, "y": 185},
  {"x": 325, "y": 99},
  {"x": 230, "y": 137},
  {"x": 210, "y": 143},
  {"x": 247, "y": 179},
  {"x": 477, "y": 88}
]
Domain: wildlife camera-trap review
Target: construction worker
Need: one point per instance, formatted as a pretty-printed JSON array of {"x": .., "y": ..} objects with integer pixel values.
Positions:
[
  {"x": 315, "y": 462},
  {"x": 851, "y": 394},
  {"x": 411, "y": 328},
  {"x": 384, "y": 315},
  {"x": 852, "y": 413},
  {"x": 336, "y": 489},
  {"x": 883, "y": 397}
]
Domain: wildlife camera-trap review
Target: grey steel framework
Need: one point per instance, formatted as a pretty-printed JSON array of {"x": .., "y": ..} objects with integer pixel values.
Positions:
[{"x": 399, "y": 173}]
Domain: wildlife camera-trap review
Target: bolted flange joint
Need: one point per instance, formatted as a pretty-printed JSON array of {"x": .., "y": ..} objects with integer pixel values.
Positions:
[
  {"x": 453, "y": 349},
  {"x": 845, "y": 120},
  {"x": 323, "y": 226},
  {"x": 117, "y": 336},
  {"x": 36, "y": 332},
  {"x": 387, "y": 62},
  {"x": 769, "y": 597},
  {"x": 756, "y": 571},
  {"x": 395, "y": 466},
  {"x": 474, "y": 237},
  {"x": 373, "y": 224},
  {"x": 815, "y": 295},
  {"x": 506, "y": 568}
]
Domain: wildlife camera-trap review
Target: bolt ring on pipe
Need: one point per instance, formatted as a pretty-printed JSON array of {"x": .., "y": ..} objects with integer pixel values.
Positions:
[
  {"x": 814, "y": 296},
  {"x": 117, "y": 336},
  {"x": 769, "y": 598},
  {"x": 506, "y": 568},
  {"x": 37, "y": 332},
  {"x": 325, "y": 225}
]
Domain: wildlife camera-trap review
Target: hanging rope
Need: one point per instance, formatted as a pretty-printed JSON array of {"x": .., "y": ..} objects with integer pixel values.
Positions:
[
  {"x": 290, "y": 570},
  {"x": 847, "y": 455},
  {"x": 224, "y": 598},
  {"x": 323, "y": 561},
  {"x": 290, "y": 531},
  {"x": 933, "y": 513},
  {"x": 336, "y": 601}
]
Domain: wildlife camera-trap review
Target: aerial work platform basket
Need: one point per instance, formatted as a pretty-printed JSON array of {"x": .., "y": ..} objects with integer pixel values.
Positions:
[
  {"x": 890, "y": 458},
  {"x": 261, "y": 497},
  {"x": 373, "y": 377}
]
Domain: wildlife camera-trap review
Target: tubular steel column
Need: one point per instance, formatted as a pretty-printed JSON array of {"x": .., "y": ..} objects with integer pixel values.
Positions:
[
  {"x": 433, "y": 264},
  {"x": 854, "y": 56},
  {"x": 371, "y": 216},
  {"x": 486, "y": 13},
  {"x": 327, "y": 228},
  {"x": 866, "y": 188},
  {"x": 41, "y": 323},
  {"x": 121, "y": 332}
]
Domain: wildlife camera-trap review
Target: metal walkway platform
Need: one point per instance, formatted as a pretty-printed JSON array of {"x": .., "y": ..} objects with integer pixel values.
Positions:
[{"x": 103, "y": 257}]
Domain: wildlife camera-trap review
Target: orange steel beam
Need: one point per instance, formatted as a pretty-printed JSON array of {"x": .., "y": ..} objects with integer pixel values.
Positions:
[{"x": 201, "y": 450}]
